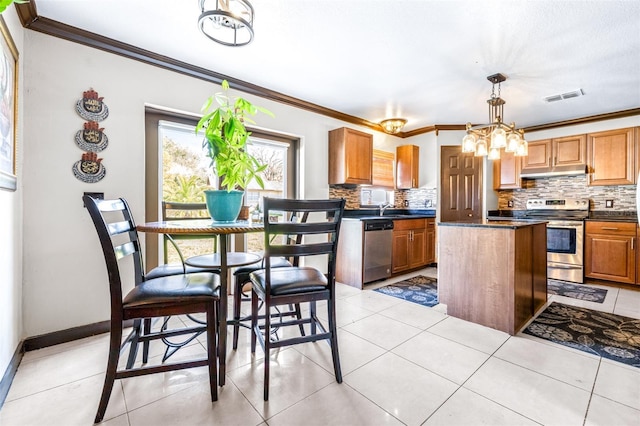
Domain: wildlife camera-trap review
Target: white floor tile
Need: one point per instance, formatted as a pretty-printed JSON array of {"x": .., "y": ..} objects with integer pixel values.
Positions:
[
  {"x": 466, "y": 408},
  {"x": 533, "y": 395},
  {"x": 619, "y": 382},
  {"x": 476, "y": 336},
  {"x": 413, "y": 314},
  {"x": 382, "y": 331},
  {"x": 604, "y": 412}
]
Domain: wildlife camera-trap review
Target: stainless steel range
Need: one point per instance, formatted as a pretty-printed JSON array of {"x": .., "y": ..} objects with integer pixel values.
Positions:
[{"x": 565, "y": 235}]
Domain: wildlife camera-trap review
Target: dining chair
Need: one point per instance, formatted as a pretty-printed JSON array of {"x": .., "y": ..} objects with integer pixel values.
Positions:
[
  {"x": 242, "y": 280},
  {"x": 173, "y": 211},
  {"x": 147, "y": 298},
  {"x": 318, "y": 236}
]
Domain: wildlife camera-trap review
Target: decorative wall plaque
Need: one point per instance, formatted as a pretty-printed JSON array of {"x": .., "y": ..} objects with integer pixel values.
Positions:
[
  {"x": 89, "y": 169},
  {"x": 92, "y": 138},
  {"x": 91, "y": 107}
]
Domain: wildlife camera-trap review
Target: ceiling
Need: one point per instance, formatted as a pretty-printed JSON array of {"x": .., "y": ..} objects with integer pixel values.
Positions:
[{"x": 424, "y": 60}]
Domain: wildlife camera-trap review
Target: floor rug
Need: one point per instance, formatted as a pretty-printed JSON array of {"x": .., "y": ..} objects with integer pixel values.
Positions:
[
  {"x": 420, "y": 289},
  {"x": 608, "y": 335},
  {"x": 576, "y": 291}
]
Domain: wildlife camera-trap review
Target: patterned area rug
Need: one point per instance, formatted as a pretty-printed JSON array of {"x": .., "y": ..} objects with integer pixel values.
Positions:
[
  {"x": 576, "y": 291},
  {"x": 608, "y": 335},
  {"x": 422, "y": 290}
]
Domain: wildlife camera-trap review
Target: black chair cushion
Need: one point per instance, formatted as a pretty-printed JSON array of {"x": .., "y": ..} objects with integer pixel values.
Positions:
[
  {"x": 174, "y": 289},
  {"x": 176, "y": 269},
  {"x": 291, "y": 280},
  {"x": 242, "y": 274}
]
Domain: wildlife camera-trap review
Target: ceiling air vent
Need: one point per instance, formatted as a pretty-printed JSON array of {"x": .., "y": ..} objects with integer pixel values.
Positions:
[{"x": 568, "y": 95}]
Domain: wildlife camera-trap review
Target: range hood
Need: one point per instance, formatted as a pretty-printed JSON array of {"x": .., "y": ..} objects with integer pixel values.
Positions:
[{"x": 575, "y": 170}]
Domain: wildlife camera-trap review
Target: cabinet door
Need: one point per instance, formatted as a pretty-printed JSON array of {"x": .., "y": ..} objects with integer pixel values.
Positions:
[
  {"x": 570, "y": 151},
  {"x": 383, "y": 165},
  {"x": 611, "y": 157},
  {"x": 407, "y": 170},
  {"x": 431, "y": 241},
  {"x": 400, "y": 259},
  {"x": 610, "y": 257},
  {"x": 506, "y": 172},
  {"x": 350, "y": 157},
  {"x": 418, "y": 248},
  {"x": 539, "y": 157}
]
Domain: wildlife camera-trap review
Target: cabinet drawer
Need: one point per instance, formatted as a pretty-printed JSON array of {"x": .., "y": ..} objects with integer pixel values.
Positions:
[
  {"x": 431, "y": 224},
  {"x": 404, "y": 224},
  {"x": 611, "y": 228}
]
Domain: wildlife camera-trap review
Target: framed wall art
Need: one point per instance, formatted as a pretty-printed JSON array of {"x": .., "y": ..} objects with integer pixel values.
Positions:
[{"x": 8, "y": 108}]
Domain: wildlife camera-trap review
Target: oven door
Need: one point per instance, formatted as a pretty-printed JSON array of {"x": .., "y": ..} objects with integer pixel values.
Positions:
[{"x": 565, "y": 248}]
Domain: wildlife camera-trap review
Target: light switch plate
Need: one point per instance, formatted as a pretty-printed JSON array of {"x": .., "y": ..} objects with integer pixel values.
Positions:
[{"x": 608, "y": 204}]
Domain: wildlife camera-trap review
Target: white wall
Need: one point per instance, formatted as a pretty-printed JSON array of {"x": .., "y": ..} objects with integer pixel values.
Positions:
[{"x": 11, "y": 227}]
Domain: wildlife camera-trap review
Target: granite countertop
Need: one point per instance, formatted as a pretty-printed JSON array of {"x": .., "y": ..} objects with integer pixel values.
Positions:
[
  {"x": 390, "y": 213},
  {"x": 500, "y": 224},
  {"x": 613, "y": 216}
]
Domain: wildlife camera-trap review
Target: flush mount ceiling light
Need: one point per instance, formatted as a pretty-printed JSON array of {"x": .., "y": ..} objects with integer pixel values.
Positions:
[
  {"x": 393, "y": 125},
  {"x": 496, "y": 132},
  {"x": 228, "y": 22}
]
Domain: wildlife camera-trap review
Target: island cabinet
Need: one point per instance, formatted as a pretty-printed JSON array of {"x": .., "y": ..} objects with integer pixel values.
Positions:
[
  {"x": 610, "y": 251},
  {"x": 493, "y": 273},
  {"x": 350, "y": 157},
  {"x": 431, "y": 241},
  {"x": 383, "y": 165},
  {"x": 551, "y": 155},
  {"x": 611, "y": 157},
  {"x": 407, "y": 166},
  {"x": 506, "y": 171},
  {"x": 409, "y": 249}
]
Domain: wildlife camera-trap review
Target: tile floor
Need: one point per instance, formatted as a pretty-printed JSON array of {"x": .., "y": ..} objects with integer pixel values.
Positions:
[{"x": 402, "y": 364}]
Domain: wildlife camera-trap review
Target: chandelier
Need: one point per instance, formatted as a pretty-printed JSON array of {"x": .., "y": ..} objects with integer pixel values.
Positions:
[
  {"x": 393, "y": 125},
  {"x": 488, "y": 139},
  {"x": 229, "y": 22}
]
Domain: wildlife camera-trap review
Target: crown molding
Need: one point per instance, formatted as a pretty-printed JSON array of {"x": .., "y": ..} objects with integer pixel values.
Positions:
[{"x": 28, "y": 14}]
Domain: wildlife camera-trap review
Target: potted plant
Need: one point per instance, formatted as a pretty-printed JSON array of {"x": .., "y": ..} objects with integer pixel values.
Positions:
[{"x": 225, "y": 141}]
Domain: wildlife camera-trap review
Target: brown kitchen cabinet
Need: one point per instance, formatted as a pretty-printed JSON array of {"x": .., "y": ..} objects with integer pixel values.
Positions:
[
  {"x": 506, "y": 171},
  {"x": 383, "y": 165},
  {"x": 350, "y": 157},
  {"x": 409, "y": 249},
  {"x": 549, "y": 155},
  {"x": 610, "y": 251},
  {"x": 431, "y": 241},
  {"x": 611, "y": 157},
  {"x": 407, "y": 166}
]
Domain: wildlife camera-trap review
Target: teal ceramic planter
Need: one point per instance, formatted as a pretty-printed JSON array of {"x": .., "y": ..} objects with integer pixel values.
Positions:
[{"x": 223, "y": 206}]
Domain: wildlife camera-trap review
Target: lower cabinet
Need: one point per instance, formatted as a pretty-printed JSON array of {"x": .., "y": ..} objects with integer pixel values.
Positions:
[
  {"x": 413, "y": 244},
  {"x": 610, "y": 251}
]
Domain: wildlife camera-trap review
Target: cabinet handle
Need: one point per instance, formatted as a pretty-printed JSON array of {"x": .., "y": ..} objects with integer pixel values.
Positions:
[
  {"x": 608, "y": 228},
  {"x": 470, "y": 214},
  {"x": 633, "y": 244},
  {"x": 555, "y": 160}
]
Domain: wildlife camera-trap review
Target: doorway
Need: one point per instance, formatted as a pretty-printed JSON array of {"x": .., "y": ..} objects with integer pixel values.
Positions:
[{"x": 461, "y": 185}]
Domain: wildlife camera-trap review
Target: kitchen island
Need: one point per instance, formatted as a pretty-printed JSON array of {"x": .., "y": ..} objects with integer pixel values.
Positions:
[{"x": 493, "y": 273}]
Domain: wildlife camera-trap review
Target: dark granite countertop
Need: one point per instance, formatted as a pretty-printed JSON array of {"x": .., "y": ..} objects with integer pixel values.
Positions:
[
  {"x": 613, "y": 216},
  {"x": 389, "y": 213},
  {"x": 501, "y": 224}
]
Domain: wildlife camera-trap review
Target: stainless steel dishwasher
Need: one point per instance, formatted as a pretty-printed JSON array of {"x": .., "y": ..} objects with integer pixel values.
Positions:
[{"x": 378, "y": 239}]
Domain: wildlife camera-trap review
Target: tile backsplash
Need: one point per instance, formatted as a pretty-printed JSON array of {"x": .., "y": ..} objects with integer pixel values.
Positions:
[
  {"x": 415, "y": 198},
  {"x": 623, "y": 196}
]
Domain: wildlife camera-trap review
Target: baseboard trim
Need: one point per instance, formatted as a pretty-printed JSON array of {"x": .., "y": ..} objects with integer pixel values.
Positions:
[
  {"x": 10, "y": 372},
  {"x": 64, "y": 336}
]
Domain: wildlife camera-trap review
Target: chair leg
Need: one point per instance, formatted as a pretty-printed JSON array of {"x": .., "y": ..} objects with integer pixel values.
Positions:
[
  {"x": 133, "y": 343},
  {"x": 212, "y": 348},
  {"x": 237, "y": 302},
  {"x": 112, "y": 368},
  {"x": 254, "y": 320},
  {"x": 299, "y": 317},
  {"x": 312, "y": 308},
  {"x": 267, "y": 348},
  {"x": 145, "y": 344},
  {"x": 334, "y": 340}
]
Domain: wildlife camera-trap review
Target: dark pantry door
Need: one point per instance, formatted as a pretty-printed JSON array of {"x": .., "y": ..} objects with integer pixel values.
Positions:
[{"x": 461, "y": 182}]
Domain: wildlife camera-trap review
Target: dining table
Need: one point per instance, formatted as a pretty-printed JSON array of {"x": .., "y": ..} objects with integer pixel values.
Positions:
[{"x": 222, "y": 260}]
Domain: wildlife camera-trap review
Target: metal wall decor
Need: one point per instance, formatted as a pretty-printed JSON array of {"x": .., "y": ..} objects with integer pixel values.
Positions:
[{"x": 91, "y": 139}]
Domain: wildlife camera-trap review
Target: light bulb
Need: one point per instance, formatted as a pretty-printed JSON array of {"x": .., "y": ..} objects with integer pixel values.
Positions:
[
  {"x": 523, "y": 149},
  {"x": 498, "y": 138},
  {"x": 469, "y": 143},
  {"x": 481, "y": 148},
  {"x": 494, "y": 154},
  {"x": 513, "y": 141}
]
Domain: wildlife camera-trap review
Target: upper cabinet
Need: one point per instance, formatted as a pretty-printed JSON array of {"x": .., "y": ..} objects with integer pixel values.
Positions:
[
  {"x": 612, "y": 157},
  {"x": 350, "y": 157},
  {"x": 383, "y": 163},
  {"x": 562, "y": 155},
  {"x": 506, "y": 172},
  {"x": 407, "y": 170}
]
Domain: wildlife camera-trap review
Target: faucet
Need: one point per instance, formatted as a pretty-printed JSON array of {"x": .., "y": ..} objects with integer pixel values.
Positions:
[{"x": 383, "y": 207}]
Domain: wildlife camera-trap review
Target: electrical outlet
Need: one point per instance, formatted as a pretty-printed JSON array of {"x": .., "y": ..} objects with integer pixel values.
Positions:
[
  {"x": 510, "y": 203},
  {"x": 406, "y": 203},
  {"x": 608, "y": 204}
]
